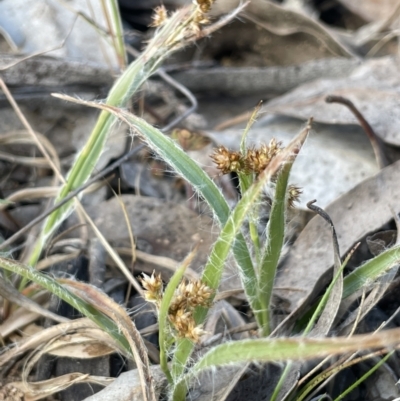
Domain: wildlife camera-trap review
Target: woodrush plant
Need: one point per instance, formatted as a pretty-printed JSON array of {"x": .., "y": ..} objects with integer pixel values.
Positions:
[
  {"x": 239, "y": 162},
  {"x": 182, "y": 307},
  {"x": 278, "y": 169},
  {"x": 179, "y": 347}
]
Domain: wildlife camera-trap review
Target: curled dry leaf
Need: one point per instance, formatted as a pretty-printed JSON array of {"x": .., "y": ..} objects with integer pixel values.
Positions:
[
  {"x": 42, "y": 389},
  {"x": 374, "y": 88}
]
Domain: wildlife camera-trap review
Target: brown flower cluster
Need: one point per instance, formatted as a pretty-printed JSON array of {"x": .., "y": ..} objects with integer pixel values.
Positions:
[
  {"x": 254, "y": 161},
  {"x": 160, "y": 15},
  {"x": 205, "y": 5},
  {"x": 153, "y": 288},
  {"x": 228, "y": 161},
  {"x": 294, "y": 193},
  {"x": 187, "y": 297}
]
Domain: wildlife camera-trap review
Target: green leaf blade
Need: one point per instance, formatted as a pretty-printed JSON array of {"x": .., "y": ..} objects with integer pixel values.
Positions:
[{"x": 370, "y": 271}]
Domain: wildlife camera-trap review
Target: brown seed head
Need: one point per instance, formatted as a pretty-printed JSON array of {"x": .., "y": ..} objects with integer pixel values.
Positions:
[
  {"x": 180, "y": 321},
  {"x": 153, "y": 287},
  {"x": 274, "y": 148},
  {"x": 185, "y": 325},
  {"x": 160, "y": 16},
  {"x": 189, "y": 295},
  {"x": 205, "y": 5},
  {"x": 228, "y": 161},
  {"x": 294, "y": 193},
  {"x": 194, "y": 332},
  {"x": 258, "y": 160},
  {"x": 199, "y": 294}
]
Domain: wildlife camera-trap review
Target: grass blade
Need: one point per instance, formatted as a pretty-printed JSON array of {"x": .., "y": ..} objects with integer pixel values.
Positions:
[
  {"x": 364, "y": 377},
  {"x": 57, "y": 289},
  {"x": 370, "y": 271},
  {"x": 203, "y": 184},
  {"x": 114, "y": 21},
  {"x": 276, "y": 234},
  {"x": 284, "y": 349}
]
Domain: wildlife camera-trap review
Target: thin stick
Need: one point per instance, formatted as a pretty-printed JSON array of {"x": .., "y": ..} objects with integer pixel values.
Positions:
[{"x": 30, "y": 130}]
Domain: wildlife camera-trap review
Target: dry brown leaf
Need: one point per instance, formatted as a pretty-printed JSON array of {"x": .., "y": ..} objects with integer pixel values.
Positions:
[
  {"x": 371, "y": 10},
  {"x": 78, "y": 345},
  {"x": 266, "y": 81},
  {"x": 17, "y": 321},
  {"x": 269, "y": 35},
  {"x": 47, "y": 71},
  {"x": 374, "y": 88},
  {"x": 44, "y": 336},
  {"x": 127, "y": 327},
  {"x": 39, "y": 390},
  {"x": 9, "y": 292},
  {"x": 362, "y": 210},
  {"x": 283, "y": 21}
]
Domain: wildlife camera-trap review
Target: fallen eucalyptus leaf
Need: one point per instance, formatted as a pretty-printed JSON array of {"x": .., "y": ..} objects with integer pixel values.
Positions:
[
  {"x": 284, "y": 21},
  {"x": 39, "y": 25},
  {"x": 161, "y": 228},
  {"x": 374, "y": 88},
  {"x": 270, "y": 80}
]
